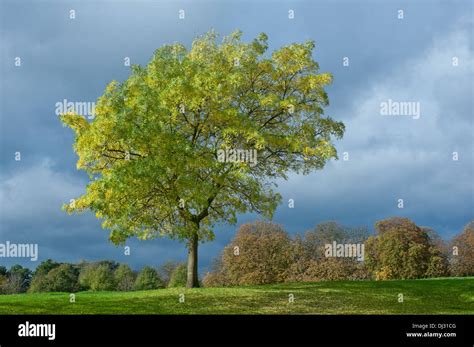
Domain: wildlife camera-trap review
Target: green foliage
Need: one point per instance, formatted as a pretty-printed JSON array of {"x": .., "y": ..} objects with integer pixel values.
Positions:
[
  {"x": 148, "y": 279},
  {"x": 63, "y": 278},
  {"x": 3, "y": 279},
  {"x": 152, "y": 149},
  {"x": 86, "y": 275},
  {"x": 3, "y": 284},
  {"x": 39, "y": 283},
  {"x": 3, "y": 271},
  {"x": 111, "y": 264},
  {"x": 178, "y": 276},
  {"x": 46, "y": 266},
  {"x": 124, "y": 278},
  {"x": 166, "y": 270},
  {"x": 97, "y": 277}
]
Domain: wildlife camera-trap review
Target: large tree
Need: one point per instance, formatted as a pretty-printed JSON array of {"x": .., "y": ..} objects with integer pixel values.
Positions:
[{"x": 154, "y": 150}]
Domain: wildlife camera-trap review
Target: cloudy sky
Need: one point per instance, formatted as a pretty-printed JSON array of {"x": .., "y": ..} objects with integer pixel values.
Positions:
[{"x": 426, "y": 58}]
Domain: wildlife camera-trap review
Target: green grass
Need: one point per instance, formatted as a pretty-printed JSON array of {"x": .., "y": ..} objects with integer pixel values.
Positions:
[{"x": 430, "y": 296}]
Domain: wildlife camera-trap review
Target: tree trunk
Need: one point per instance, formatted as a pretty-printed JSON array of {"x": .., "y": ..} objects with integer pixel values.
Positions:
[{"x": 192, "y": 279}]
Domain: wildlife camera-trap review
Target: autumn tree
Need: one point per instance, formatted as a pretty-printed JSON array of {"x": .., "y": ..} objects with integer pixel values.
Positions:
[
  {"x": 260, "y": 253},
  {"x": 438, "y": 265},
  {"x": 403, "y": 250},
  {"x": 462, "y": 252},
  {"x": 154, "y": 150},
  {"x": 309, "y": 260}
]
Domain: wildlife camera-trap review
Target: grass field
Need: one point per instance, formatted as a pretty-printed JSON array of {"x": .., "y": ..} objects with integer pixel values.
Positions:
[{"x": 433, "y": 296}]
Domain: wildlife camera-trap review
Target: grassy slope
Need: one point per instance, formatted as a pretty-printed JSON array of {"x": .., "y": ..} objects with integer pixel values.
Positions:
[{"x": 433, "y": 296}]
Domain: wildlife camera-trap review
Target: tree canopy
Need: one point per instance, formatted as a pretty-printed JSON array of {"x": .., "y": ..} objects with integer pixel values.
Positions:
[{"x": 152, "y": 151}]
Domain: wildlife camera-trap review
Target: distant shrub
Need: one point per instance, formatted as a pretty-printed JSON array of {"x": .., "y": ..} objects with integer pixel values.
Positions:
[
  {"x": 18, "y": 279},
  {"x": 216, "y": 277},
  {"x": 111, "y": 264},
  {"x": 178, "y": 276},
  {"x": 166, "y": 270},
  {"x": 97, "y": 277},
  {"x": 53, "y": 276},
  {"x": 103, "y": 278},
  {"x": 85, "y": 275},
  {"x": 260, "y": 253},
  {"x": 13, "y": 284},
  {"x": 39, "y": 283},
  {"x": 124, "y": 278},
  {"x": 3, "y": 279},
  {"x": 3, "y": 284},
  {"x": 213, "y": 279},
  {"x": 63, "y": 278},
  {"x": 148, "y": 279},
  {"x": 46, "y": 266}
]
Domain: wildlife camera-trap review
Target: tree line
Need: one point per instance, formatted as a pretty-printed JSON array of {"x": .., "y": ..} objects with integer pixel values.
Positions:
[
  {"x": 106, "y": 275},
  {"x": 264, "y": 253}
]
